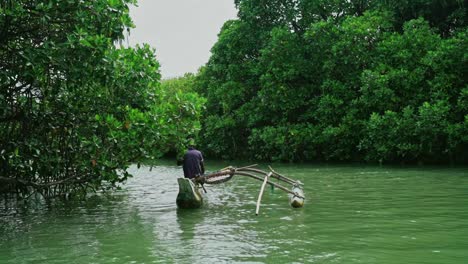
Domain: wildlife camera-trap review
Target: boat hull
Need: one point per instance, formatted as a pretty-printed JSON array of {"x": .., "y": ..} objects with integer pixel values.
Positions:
[{"x": 189, "y": 195}]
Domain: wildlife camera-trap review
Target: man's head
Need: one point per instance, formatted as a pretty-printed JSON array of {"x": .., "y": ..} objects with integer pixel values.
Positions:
[{"x": 191, "y": 143}]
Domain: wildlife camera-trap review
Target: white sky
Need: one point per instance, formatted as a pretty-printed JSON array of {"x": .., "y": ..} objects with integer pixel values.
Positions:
[{"x": 181, "y": 31}]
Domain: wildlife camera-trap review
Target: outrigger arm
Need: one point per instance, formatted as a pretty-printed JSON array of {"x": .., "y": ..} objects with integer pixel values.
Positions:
[{"x": 297, "y": 195}]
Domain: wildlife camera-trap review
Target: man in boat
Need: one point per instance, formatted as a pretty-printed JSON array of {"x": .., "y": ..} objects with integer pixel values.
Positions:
[
  {"x": 189, "y": 194},
  {"x": 193, "y": 162}
]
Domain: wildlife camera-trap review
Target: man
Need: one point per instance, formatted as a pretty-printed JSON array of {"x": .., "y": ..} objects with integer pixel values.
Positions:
[{"x": 193, "y": 163}]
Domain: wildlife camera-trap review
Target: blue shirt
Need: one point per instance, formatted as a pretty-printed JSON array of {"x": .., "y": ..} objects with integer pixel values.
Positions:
[{"x": 192, "y": 163}]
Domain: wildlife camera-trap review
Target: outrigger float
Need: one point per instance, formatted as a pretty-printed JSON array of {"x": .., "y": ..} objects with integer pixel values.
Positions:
[{"x": 190, "y": 195}]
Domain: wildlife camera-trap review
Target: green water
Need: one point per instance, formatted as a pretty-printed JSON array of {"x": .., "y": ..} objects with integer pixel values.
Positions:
[{"x": 352, "y": 215}]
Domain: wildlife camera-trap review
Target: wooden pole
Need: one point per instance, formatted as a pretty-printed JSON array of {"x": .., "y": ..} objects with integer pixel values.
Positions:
[
  {"x": 261, "y": 192},
  {"x": 269, "y": 182},
  {"x": 250, "y": 166},
  {"x": 284, "y": 178},
  {"x": 274, "y": 175}
]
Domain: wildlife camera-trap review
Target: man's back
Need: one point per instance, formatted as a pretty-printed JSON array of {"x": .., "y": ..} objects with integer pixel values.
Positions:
[{"x": 193, "y": 163}]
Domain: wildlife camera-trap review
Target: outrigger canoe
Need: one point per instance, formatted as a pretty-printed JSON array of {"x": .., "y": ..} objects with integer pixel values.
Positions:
[{"x": 189, "y": 189}]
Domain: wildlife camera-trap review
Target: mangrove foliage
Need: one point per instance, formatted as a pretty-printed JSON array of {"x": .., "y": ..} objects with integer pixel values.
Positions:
[
  {"x": 340, "y": 80},
  {"x": 76, "y": 108}
]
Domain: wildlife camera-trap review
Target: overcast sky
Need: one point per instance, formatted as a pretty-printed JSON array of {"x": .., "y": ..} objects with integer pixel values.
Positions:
[{"x": 181, "y": 31}]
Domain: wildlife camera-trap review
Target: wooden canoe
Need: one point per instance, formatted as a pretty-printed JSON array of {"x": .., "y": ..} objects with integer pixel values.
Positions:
[{"x": 189, "y": 194}]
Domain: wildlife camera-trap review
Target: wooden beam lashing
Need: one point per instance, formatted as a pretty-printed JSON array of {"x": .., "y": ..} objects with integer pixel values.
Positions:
[{"x": 297, "y": 200}]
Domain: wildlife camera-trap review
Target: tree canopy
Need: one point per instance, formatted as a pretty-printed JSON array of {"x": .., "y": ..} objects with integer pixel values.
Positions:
[
  {"x": 75, "y": 108},
  {"x": 308, "y": 80}
]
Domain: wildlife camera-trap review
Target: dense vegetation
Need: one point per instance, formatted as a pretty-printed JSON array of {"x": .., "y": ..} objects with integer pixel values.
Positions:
[
  {"x": 289, "y": 80},
  {"x": 76, "y": 110},
  {"x": 307, "y": 80},
  {"x": 186, "y": 102}
]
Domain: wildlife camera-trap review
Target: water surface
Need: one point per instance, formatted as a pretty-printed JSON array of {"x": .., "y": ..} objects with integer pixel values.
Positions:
[{"x": 353, "y": 214}]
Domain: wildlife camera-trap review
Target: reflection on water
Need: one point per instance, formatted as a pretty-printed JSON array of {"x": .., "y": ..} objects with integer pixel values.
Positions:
[{"x": 352, "y": 215}]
